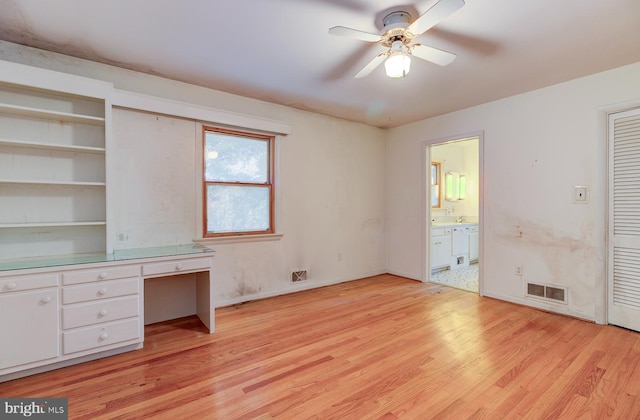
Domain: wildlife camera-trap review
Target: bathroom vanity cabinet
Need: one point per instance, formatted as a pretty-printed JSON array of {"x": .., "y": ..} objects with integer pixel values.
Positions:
[{"x": 449, "y": 241}]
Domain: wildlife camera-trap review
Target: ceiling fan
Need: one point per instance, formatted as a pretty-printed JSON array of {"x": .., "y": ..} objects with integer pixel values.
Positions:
[{"x": 398, "y": 34}]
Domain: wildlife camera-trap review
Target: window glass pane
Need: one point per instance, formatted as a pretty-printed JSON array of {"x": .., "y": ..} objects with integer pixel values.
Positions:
[
  {"x": 234, "y": 208},
  {"x": 235, "y": 159},
  {"x": 435, "y": 195}
]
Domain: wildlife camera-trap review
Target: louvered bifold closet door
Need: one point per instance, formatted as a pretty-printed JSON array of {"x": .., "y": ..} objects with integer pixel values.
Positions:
[{"x": 624, "y": 219}]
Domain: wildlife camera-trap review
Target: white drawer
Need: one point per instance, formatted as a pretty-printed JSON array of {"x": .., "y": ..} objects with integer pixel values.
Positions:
[
  {"x": 107, "y": 273},
  {"x": 176, "y": 267},
  {"x": 100, "y": 336},
  {"x": 440, "y": 231},
  {"x": 84, "y": 314},
  {"x": 18, "y": 283},
  {"x": 101, "y": 290}
]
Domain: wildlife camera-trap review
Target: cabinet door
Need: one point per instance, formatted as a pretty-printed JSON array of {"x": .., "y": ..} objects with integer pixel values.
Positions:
[
  {"x": 434, "y": 251},
  {"x": 445, "y": 250},
  {"x": 473, "y": 246},
  {"x": 440, "y": 252},
  {"x": 29, "y": 327}
]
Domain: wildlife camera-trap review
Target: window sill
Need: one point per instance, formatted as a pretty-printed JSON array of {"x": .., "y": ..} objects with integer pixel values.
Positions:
[{"x": 238, "y": 239}]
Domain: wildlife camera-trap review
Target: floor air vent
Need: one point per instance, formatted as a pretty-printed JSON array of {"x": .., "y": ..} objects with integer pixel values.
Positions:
[
  {"x": 298, "y": 276},
  {"x": 544, "y": 291}
]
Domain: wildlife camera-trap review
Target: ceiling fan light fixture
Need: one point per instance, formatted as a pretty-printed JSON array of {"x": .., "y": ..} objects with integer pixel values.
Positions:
[{"x": 398, "y": 64}]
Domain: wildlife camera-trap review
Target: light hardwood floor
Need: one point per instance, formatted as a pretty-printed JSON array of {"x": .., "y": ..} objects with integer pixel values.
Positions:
[{"x": 381, "y": 347}]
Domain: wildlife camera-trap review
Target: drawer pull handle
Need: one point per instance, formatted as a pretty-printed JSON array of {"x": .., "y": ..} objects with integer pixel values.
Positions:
[
  {"x": 179, "y": 267},
  {"x": 11, "y": 286},
  {"x": 102, "y": 313},
  {"x": 103, "y": 336},
  {"x": 46, "y": 299},
  {"x": 103, "y": 275},
  {"x": 102, "y": 291}
]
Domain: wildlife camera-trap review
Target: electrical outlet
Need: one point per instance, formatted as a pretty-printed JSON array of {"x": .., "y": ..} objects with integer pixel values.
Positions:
[
  {"x": 518, "y": 270},
  {"x": 123, "y": 237}
]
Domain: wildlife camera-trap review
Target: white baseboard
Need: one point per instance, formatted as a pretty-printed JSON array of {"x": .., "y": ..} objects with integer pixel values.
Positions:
[
  {"x": 561, "y": 309},
  {"x": 293, "y": 288},
  {"x": 400, "y": 274}
]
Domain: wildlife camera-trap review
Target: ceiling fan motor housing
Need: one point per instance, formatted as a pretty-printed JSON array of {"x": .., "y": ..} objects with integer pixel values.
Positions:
[{"x": 395, "y": 24}]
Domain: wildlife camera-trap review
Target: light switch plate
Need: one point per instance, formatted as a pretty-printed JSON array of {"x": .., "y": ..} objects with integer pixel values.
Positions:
[{"x": 580, "y": 194}]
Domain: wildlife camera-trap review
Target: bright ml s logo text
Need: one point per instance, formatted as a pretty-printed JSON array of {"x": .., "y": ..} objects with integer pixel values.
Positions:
[{"x": 37, "y": 408}]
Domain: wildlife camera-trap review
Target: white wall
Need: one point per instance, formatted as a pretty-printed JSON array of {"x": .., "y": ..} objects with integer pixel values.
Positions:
[
  {"x": 154, "y": 171},
  {"x": 331, "y": 178},
  {"x": 537, "y": 146}
]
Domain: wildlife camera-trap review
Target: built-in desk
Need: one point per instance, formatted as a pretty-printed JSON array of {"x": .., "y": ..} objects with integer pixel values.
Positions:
[{"x": 59, "y": 311}]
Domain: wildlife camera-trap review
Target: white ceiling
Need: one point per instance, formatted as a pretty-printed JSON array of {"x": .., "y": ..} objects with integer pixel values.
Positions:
[{"x": 280, "y": 51}]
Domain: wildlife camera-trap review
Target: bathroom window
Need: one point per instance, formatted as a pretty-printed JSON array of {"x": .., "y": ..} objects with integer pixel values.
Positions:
[
  {"x": 436, "y": 185},
  {"x": 238, "y": 183}
]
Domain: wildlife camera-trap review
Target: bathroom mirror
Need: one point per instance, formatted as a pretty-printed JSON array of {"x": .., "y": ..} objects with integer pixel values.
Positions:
[
  {"x": 455, "y": 186},
  {"x": 451, "y": 186}
]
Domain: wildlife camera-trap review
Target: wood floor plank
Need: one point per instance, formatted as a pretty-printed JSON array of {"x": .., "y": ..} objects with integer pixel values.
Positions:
[{"x": 383, "y": 347}]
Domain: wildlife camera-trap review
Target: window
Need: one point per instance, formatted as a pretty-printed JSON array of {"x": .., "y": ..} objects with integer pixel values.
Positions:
[
  {"x": 436, "y": 185},
  {"x": 238, "y": 183}
]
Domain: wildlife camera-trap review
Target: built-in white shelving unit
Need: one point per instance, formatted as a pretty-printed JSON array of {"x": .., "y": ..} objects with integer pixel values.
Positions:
[{"x": 54, "y": 135}]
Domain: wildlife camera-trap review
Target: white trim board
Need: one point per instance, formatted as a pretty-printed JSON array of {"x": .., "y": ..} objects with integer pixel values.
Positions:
[
  {"x": 138, "y": 101},
  {"x": 51, "y": 80}
]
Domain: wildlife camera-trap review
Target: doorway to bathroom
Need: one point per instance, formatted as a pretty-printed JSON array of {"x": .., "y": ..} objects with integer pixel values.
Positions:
[{"x": 453, "y": 215}]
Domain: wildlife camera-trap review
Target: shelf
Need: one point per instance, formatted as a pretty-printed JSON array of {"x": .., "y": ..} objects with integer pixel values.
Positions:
[
  {"x": 53, "y": 151},
  {"x": 51, "y": 224},
  {"x": 47, "y": 146},
  {"x": 61, "y": 183},
  {"x": 48, "y": 114}
]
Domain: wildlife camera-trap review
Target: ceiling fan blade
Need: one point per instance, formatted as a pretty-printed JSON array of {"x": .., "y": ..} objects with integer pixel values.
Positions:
[
  {"x": 372, "y": 65},
  {"x": 439, "y": 57},
  {"x": 437, "y": 13},
  {"x": 354, "y": 33}
]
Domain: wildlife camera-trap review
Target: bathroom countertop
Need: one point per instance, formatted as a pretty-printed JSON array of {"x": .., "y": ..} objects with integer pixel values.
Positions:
[{"x": 453, "y": 224}]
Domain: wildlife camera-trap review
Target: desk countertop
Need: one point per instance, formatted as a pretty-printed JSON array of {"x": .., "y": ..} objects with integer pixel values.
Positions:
[{"x": 118, "y": 255}]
